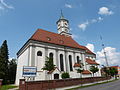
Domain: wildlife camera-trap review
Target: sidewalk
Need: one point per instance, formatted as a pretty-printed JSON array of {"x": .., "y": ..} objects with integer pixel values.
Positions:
[
  {"x": 17, "y": 88},
  {"x": 14, "y": 88},
  {"x": 82, "y": 85}
]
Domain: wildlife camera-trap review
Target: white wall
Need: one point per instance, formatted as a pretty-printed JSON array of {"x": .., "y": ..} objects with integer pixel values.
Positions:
[
  {"x": 86, "y": 75},
  {"x": 39, "y": 63},
  {"x": 22, "y": 61},
  {"x": 29, "y": 58}
]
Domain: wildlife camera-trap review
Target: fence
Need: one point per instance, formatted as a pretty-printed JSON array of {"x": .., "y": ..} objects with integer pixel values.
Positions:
[{"x": 52, "y": 84}]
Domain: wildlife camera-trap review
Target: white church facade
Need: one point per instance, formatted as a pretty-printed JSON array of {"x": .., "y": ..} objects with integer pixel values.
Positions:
[{"x": 66, "y": 53}]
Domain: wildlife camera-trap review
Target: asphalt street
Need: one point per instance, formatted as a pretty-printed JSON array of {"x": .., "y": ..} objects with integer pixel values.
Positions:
[{"x": 108, "y": 86}]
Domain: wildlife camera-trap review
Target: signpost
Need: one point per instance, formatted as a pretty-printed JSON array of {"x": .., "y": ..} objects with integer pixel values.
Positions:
[{"x": 29, "y": 71}]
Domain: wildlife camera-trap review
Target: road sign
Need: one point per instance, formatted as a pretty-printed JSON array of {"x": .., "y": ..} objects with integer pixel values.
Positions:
[{"x": 29, "y": 71}]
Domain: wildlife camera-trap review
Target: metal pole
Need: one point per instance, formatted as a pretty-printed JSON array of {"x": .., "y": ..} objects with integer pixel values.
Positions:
[
  {"x": 105, "y": 56},
  {"x": 104, "y": 53}
]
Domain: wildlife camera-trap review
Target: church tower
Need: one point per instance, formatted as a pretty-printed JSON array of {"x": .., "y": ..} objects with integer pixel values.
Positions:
[{"x": 63, "y": 26}]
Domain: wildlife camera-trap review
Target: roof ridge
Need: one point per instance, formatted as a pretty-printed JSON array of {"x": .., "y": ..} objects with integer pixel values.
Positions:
[{"x": 53, "y": 33}]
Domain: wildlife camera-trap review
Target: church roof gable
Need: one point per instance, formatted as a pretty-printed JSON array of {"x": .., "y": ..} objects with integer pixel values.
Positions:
[{"x": 57, "y": 70}]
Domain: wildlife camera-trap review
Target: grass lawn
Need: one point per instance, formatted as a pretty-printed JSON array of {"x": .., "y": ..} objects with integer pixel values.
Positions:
[
  {"x": 6, "y": 87},
  {"x": 90, "y": 85}
]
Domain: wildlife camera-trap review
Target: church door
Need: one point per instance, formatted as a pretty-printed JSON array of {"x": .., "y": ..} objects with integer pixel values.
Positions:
[{"x": 56, "y": 76}]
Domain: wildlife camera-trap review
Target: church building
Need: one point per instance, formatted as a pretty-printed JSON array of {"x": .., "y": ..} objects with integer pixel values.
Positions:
[{"x": 67, "y": 54}]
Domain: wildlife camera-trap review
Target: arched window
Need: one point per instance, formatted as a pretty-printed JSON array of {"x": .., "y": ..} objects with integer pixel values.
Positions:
[
  {"x": 61, "y": 62},
  {"x": 78, "y": 61},
  {"x": 70, "y": 63},
  {"x": 39, "y": 53},
  {"x": 51, "y": 55}
]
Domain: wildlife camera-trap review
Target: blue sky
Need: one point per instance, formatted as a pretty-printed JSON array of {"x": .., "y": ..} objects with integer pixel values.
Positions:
[{"x": 88, "y": 19}]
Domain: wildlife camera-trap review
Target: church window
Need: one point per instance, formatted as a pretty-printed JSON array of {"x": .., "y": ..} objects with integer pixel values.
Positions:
[
  {"x": 65, "y": 23},
  {"x": 66, "y": 30},
  {"x": 61, "y": 62},
  {"x": 51, "y": 55},
  {"x": 48, "y": 38},
  {"x": 39, "y": 53},
  {"x": 61, "y": 41},
  {"x": 78, "y": 61},
  {"x": 70, "y": 63}
]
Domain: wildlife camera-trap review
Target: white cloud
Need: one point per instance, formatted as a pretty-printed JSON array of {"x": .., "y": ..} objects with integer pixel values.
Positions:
[
  {"x": 4, "y": 6},
  {"x": 90, "y": 47},
  {"x": 96, "y": 20},
  {"x": 1, "y": 7},
  {"x": 75, "y": 36},
  {"x": 102, "y": 11},
  {"x": 105, "y": 11},
  {"x": 100, "y": 18},
  {"x": 113, "y": 57},
  {"x": 83, "y": 25},
  {"x": 93, "y": 20},
  {"x": 68, "y": 6}
]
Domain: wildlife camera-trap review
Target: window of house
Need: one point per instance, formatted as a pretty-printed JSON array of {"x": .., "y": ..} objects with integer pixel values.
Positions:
[
  {"x": 65, "y": 23},
  {"x": 51, "y": 55},
  {"x": 39, "y": 53},
  {"x": 61, "y": 62},
  {"x": 61, "y": 41},
  {"x": 48, "y": 38},
  {"x": 70, "y": 63},
  {"x": 66, "y": 30},
  {"x": 78, "y": 59}
]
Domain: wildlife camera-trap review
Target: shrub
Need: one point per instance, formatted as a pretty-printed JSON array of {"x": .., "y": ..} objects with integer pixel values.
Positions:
[{"x": 65, "y": 75}]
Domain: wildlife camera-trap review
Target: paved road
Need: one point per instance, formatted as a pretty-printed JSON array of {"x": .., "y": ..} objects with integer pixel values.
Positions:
[{"x": 108, "y": 86}]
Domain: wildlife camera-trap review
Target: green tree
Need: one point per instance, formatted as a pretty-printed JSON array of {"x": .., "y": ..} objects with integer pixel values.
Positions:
[
  {"x": 65, "y": 75},
  {"x": 106, "y": 71},
  {"x": 4, "y": 56},
  {"x": 12, "y": 71},
  {"x": 113, "y": 72},
  {"x": 2, "y": 68},
  {"x": 94, "y": 69},
  {"x": 49, "y": 64}
]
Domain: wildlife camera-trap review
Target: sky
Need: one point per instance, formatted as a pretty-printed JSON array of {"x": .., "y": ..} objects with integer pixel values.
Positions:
[{"x": 88, "y": 19}]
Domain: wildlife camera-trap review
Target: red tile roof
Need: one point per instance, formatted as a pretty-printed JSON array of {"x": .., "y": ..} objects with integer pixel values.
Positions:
[
  {"x": 54, "y": 38},
  {"x": 50, "y": 72},
  {"x": 86, "y": 72},
  {"x": 89, "y": 61},
  {"x": 115, "y": 67},
  {"x": 77, "y": 65}
]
